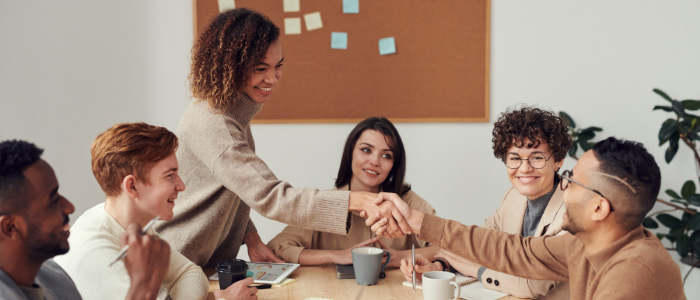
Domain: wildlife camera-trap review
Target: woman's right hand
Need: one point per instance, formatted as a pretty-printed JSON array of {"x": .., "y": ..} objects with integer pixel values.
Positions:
[
  {"x": 423, "y": 265},
  {"x": 344, "y": 257},
  {"x": 238, "y": 291}
]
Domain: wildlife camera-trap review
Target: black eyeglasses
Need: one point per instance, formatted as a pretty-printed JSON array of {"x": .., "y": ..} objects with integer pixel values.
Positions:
[
  {"x": 566, "y": 178},
  {"x": 536, "y": 160}
]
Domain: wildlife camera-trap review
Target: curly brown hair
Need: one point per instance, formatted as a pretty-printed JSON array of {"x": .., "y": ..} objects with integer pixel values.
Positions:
[
  {"x": 537, "y": 125},
  {"x": 226, "y": 53}
]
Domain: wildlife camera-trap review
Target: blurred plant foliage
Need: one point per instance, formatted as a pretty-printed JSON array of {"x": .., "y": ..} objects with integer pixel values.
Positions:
[
  {"x": 684, "y": 233},
  {"x": 581, "y": 137}
]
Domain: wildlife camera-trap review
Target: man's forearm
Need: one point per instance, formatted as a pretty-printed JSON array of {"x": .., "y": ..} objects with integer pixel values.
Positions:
[{"x": 311, "y": 257}]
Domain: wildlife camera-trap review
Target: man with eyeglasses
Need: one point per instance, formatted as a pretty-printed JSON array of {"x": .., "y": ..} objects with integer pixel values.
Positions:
[
  {"x": 607, "y": 254},
  {"x": 532, "y": 143}
]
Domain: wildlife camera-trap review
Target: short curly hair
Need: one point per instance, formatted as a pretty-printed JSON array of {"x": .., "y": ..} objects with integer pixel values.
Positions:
[
  {"x": 15, "y": 157},
  {"x": 537, "y": 125},
  {"x": 225, "y": 54}
]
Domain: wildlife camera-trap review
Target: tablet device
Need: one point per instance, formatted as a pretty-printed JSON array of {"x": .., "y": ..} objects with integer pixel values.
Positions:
[{"x": 264, "y": 272}]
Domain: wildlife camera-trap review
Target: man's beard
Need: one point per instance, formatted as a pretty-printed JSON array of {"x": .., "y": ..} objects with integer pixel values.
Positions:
[
  {"x": 42, "y": 246},
  {"x": 571, "y": 226}
]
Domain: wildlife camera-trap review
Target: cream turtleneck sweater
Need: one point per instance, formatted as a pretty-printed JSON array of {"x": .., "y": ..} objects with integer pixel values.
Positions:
[{"x": 224, "y": 179}]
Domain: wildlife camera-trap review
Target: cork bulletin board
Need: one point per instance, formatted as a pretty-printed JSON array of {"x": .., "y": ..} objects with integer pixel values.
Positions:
[{"x": 439, "y": 73}]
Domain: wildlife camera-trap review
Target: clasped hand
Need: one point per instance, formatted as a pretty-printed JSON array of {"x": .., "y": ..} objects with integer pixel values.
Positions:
[{"x": 387, "y": 214}]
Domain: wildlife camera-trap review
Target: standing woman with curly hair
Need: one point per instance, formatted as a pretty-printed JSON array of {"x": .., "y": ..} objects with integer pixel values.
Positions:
[
  {"x": 532, "y": 143},
  {"x": 236, "y": 63}
]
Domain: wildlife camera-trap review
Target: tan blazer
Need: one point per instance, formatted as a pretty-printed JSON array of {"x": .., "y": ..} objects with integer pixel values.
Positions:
[
  {"x": 509, "y": 218},
  {"x": 288, "y": 244}
]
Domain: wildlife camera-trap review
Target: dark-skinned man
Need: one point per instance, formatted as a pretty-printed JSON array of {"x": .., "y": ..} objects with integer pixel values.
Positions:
[{"x": 34, "y": 228}]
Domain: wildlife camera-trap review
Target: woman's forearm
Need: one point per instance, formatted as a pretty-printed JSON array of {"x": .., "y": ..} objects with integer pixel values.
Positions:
[{"x": 310, "y": 257}]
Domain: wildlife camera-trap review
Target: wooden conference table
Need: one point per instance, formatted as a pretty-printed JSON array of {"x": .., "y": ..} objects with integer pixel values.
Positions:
[{"x": 321, "y": 282}]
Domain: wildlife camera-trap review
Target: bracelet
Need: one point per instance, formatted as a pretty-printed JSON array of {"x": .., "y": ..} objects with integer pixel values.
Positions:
[{"x": 443, "y": 262}]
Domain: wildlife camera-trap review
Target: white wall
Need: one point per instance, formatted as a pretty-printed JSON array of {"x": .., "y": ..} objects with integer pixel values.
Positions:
[{"x": 71, "y": 69}]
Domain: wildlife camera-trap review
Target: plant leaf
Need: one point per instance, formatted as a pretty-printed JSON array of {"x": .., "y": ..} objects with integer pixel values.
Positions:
[
  {"x": 585, "y": 146},
  {"x": 662, "y": 94},
  {"x": 678, "y": 109},
  {"x": 682, "y": 244},
  {"x": 673, "y": 194},
  {"x": 670, "y": 221},
  {"x": 694, "y": 223},
  {"x": 572, "y": 151},
  {"x": 650, "y": 223},
  {"x": 680, "y": 201},
  {"x": 568, "y": 119},
  {"x": 691, "y": 104},
  {"x": 667, "y": 129},
  {"x": 670, "y": 153},
  {"x": 694, "y": 199},
  {"x": 585, "y": 136},
  {"x": 591, "y": 129},
  {"x": 688, "y": 189},
  {"x": 664, "y": 108}
]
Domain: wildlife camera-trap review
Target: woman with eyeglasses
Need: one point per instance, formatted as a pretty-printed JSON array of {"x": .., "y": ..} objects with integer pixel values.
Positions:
[{"x": 532, "y": 143}]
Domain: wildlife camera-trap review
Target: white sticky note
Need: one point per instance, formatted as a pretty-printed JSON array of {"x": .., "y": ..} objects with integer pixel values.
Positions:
[
  {"x": 292, "y": 25},
  {"x": 313, "y": 21},
  {"x": 291, "y": 6},
  {"x": 226, "y": 5}
]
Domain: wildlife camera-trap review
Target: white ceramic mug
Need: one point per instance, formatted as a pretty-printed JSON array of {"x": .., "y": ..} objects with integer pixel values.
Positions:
[{"x": 436, "y": 286}]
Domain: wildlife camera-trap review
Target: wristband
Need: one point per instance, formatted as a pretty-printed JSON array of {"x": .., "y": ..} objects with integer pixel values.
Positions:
[{"x": 443, "y": 262}]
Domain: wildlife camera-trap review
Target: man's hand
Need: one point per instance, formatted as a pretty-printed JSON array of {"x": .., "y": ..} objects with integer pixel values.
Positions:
[
  {"x": 396, "y": 255},
  {"x": 258, "y": 251},
  {"x": 238, "y": 291},
  {"x": 423, "y": 265},
  {"x": 461, "y": 264},
  {"x": 395, "y": 222},
  {"x": 413, "y": 217},
  {"x": 146, "y": 261},
  {"x": 344, "y": 257}
]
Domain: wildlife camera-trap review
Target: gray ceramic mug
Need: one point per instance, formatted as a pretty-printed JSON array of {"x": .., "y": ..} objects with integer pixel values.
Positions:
[{"x": 367, "y": 263}]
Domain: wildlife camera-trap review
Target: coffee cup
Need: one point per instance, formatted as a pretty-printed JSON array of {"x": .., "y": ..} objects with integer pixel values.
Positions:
[
  {"x": 367, "y": 263},
  {"x": 437, "y": 285},
  {"x": 230, "y": 271}
]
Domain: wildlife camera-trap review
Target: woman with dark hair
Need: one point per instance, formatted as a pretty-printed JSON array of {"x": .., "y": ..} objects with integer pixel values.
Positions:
[
  {"x": 236, "y": 63},
  {"x": 373, "y": 161}
]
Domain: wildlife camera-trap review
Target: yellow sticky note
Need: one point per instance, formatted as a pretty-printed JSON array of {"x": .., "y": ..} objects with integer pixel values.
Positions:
[
  {"x": 291, "y": 6},
  {"x": 313, "y": 21},
  {"x": 286, "y": 281},
  {"x": 226, "y": 5},
  {"x": 292, "y": 25}
]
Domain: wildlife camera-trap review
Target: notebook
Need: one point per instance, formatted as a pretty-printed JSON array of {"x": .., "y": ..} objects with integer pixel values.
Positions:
[
  {"x": 347, "y": 272},
  {"x": 471, "y": 288}
]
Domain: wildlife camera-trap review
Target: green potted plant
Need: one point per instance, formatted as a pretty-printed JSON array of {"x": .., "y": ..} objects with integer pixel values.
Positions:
[
  {"x": 684, "y": 233},
  {"x": 581, "y": 137}
]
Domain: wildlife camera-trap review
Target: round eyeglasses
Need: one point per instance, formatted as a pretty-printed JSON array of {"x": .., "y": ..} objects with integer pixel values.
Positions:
[{"x": 536, "y": 160}]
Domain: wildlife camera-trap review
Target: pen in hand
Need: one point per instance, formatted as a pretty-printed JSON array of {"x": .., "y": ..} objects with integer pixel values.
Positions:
[{"x": 122, "y": 253}]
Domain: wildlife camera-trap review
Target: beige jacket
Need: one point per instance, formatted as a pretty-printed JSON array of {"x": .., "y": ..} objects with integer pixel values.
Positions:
[
  {"x": 509, "y": 218},
  {"x": 292, "y": 240},
  {"x": 636, "y": 266}
]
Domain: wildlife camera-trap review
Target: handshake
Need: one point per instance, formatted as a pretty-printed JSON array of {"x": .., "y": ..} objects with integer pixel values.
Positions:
[{"x": 386, "y": 213}]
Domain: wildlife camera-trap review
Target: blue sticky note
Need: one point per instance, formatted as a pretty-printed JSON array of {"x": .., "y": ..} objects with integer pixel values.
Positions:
[
  {"x": 351, "y": 6},
  {"x": 387, "y": 46},
  {"x": 339, "y": 40}
]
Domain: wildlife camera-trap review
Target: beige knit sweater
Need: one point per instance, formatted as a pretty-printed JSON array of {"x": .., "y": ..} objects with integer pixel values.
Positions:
[
  {"x": 94, "y": 243},
  {"x": 289, "y": 243},
  {"x": 224, "y": 179}
]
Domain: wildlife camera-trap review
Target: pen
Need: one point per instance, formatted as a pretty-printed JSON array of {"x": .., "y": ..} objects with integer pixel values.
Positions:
[
  {"x": 413, "y": 256},
  {"x": 123, "y": 252},
  {"x": 262, "y": 286}
]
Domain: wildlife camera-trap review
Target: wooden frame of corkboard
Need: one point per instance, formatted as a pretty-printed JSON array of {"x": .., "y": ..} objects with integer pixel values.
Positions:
[{"x": 440, "y": 72}]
